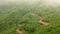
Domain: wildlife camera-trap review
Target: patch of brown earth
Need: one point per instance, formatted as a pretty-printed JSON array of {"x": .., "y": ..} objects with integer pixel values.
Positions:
[
  {"x": 43, "y": 22},
  {"x": 20, "y": 31},
  {"x": 40, "y": 19},
  {"x": 39, "y": 16}
]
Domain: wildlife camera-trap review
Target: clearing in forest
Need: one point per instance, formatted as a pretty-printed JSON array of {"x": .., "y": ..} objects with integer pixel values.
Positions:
[{"x": 20, "y": 31}]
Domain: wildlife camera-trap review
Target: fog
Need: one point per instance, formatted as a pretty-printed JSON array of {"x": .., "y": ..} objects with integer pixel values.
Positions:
[
  {"x": 32, "y": 2},
  {"x": 52, "y": 2}
]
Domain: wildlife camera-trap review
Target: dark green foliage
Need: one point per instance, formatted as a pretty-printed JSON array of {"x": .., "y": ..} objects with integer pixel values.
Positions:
[
  {"x": 29, "y": 29},
  {"x": 13, "y": 16}
]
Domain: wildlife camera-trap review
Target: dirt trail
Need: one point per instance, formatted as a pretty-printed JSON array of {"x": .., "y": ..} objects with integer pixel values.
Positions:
[
  {"x": 40, "y": 19},
  {"x": 18, "y": 31},
  {"x": 39, "y": 16},
  {"x": 43, "y": 22},
  {"x": 21, "y": 31},
  {"x": 40, "y": 22}
]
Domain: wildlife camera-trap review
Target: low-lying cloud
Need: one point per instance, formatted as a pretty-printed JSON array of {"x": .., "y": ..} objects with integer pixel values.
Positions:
[{"x": 32, "y": 2}]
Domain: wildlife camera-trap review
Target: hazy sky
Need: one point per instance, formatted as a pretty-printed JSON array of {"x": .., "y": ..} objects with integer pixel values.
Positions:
[
  {"x": 26, "y": 1},
  {"x": 46, "y": 2}
]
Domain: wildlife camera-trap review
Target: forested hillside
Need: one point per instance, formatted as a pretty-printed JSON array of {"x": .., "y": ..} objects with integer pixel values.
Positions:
[{"x": 29, "y": 19}]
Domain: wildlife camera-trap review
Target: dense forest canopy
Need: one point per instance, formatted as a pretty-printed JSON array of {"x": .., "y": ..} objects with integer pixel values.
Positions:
[{"x": 30, "y": 16}]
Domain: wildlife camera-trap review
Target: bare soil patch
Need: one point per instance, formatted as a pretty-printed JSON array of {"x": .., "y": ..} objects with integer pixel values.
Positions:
[
  {"x": 21, "y": 31},
  {"x": 43, "y": 22}
]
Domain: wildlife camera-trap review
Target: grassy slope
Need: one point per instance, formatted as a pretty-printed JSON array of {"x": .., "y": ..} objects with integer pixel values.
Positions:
[{"x": 10, "y": 18}]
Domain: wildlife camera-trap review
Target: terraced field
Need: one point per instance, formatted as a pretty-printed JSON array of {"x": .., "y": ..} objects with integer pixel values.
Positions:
[{"x": 28, "y": 20}]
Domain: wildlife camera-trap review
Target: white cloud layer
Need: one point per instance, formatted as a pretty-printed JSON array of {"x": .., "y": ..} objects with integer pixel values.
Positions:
[
  {"x": 52, "y": 2},
  {"x": 45, "y": 2}
]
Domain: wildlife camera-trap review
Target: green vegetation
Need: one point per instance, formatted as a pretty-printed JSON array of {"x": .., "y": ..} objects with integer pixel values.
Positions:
[{"x": 14, "y": 17}]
